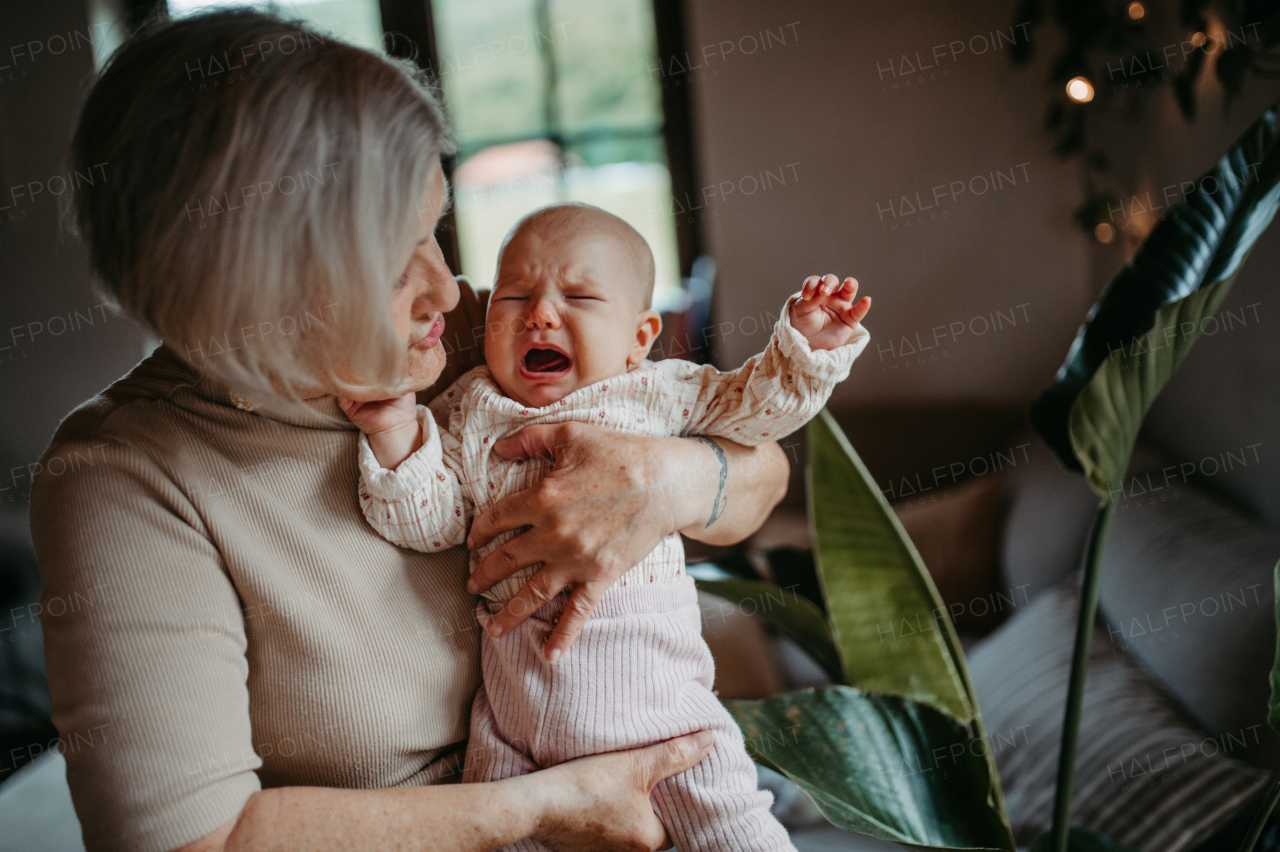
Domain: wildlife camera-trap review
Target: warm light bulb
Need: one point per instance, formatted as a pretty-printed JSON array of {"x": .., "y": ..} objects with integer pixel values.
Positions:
[
  {"x": 1136, "y": 11},
  {"x": 1104, "y": 232},
  {"x": 1080, "y": 90}
]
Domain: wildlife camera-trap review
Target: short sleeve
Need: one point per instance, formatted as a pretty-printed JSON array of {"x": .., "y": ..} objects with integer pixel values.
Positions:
[{"x": 145, "y": 649}]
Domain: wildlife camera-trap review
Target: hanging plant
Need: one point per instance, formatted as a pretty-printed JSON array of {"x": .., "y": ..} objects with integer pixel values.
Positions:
[{"x": 1113, "y": 61}]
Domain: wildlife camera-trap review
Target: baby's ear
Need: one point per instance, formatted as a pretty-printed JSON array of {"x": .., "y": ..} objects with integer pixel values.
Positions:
[{"x": 648, "y": 325}]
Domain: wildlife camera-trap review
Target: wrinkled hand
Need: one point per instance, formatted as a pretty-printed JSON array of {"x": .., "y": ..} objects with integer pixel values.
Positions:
[
  {"x": 602, "y": 509},
  {"x": 391, "y": 424},
  {"x": 601, "y": 803},
  {"x": 826, "y": 313}
]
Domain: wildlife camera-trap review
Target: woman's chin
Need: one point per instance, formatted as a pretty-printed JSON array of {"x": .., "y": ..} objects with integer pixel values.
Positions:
[{"x": 425, "y": 367}]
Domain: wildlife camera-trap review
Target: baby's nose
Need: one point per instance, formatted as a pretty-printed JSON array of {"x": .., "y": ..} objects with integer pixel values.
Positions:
[{"x": 543, "y": 316}]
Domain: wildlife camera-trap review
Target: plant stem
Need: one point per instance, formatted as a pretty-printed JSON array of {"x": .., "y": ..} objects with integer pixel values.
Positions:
[
  {"x": 1079, "y": 668},
  {"x": 1260, "y": 818}
]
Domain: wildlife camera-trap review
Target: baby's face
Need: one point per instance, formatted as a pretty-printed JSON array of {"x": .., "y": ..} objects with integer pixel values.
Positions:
[{"x": 566, "y": 311}]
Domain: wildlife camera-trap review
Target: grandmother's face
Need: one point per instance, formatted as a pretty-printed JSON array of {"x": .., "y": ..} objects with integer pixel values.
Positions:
[{"x": 425, "y": 292}]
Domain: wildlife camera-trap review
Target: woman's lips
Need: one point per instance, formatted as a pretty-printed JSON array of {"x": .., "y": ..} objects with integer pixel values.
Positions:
[{"x": 434, "y": 335}]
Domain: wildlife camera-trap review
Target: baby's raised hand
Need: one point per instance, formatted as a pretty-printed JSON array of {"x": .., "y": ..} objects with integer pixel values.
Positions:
[
  {"x": 391, "y": 424},
  {"x": 826, "y": 312}
]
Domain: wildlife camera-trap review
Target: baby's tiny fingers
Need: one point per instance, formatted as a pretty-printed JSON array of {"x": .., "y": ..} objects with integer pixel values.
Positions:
[
  {"x": 810, "y": 285},
  {"x": 860, "y": 309},
  {"x": 830, "y": 284}
]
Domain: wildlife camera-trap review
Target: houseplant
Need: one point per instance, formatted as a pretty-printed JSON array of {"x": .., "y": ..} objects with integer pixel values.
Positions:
[{"x": 896, "y": 747}]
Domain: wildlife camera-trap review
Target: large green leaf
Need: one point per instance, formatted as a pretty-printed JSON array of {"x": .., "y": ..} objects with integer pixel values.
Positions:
[
  {"x": 1131, "y": 344},
  {"x": 892, "y": 629},
  {"x": 795, "y": 616},
  {"x": 879, "y": 765},
  {"x": 1107, "y": 415},
  {"x": 1200, "y": 242}
]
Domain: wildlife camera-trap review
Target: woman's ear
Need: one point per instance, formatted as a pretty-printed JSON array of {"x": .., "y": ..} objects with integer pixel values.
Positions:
[{"x": 647, "y": 329}]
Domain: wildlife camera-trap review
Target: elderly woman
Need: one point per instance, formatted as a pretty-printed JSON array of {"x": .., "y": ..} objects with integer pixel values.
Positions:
[{"x": 255, "y": 668}]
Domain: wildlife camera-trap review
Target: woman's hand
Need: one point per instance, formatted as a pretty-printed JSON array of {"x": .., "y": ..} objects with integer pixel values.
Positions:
[
  {"x": 609, "y": 501},
  {"x": 601, "y": 803},
  {"x": 593, "y": 804}
]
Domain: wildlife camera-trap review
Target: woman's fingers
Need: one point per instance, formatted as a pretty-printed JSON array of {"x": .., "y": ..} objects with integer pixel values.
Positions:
[
  {"x": 604, "y": 801},
  {"x": 542, "y": 442},
  {"x": 662, "y": 760},
  {"x": 512, "y": 512},
  {"x": 533, "y": 595},
  {"x": 510, "y": 556},
  {"x": 582, "y": 601}
]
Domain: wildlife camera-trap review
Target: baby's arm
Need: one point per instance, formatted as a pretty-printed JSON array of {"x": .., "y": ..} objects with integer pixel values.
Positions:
[
  {"x": 781, "y": 389},
  {"x": 419, "y": 505}
]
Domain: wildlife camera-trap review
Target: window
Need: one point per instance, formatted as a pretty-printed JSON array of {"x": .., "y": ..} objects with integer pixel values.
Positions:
[
  {"x": 355, "y": 21},
  {"x": 554, "y": 100}
]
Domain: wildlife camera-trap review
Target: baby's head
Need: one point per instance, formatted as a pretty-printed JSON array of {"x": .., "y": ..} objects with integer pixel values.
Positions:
[{"x": 570, "y": 305}]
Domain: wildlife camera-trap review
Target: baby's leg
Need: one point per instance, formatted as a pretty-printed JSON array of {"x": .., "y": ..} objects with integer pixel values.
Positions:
[
  {"x": 717, "y": 805},
  {"x": 491, "y": 757},
  {"x": 639, "y": 673}
]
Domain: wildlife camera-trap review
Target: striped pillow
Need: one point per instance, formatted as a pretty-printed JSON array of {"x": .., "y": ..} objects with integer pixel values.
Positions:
[{"x": 1145, "y": 777}]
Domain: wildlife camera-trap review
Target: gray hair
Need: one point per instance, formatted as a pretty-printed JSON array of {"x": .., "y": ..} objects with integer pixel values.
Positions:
[{"x": 264, "y": 191}]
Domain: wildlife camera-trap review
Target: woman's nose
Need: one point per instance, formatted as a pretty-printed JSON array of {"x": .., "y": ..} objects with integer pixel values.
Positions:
[
  {"x": 543, "y": 316},
  {"x": 438, "y": 290}
]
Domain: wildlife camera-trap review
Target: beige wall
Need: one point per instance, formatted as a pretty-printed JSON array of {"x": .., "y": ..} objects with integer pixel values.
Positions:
[
  {"x": 59, "y": 344},
  {"x": 824, "y": 102}
]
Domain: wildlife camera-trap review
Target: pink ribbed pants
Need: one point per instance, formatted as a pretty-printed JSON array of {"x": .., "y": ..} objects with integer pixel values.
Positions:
[{"x": 639, "y": 673}]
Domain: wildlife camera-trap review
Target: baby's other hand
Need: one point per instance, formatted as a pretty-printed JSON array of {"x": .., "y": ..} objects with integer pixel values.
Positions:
[
  {"x": 391, "y": 424},
  {"x": 381, "y": 415},
  {"x": 826, "y": 313}
]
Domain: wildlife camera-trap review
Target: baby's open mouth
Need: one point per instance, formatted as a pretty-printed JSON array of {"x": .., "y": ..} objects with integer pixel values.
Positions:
[{"x": 545, "y": 362}]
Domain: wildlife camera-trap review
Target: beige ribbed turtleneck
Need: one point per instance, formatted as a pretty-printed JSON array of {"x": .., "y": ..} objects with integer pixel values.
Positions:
[{"x": 218, "y": 616}]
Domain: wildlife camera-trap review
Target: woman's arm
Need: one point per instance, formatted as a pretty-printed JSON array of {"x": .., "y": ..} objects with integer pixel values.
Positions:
[
  {"x": 607, "y": 504},
  {"x": 756, "y": 477},
  {"x": 594, "y": 804},
  {"x": 147, "y": 671}
]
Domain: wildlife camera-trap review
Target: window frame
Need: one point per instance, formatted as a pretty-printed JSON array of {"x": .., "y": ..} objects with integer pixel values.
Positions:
[{"x": 410, "y": 24}]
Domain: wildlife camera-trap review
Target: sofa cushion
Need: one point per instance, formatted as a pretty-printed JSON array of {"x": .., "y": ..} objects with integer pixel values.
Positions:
[
  {"x": 1188, "y": 591},
  {"x": 1050, "y": 510},
  {"x": 956, "y": 530},
  {"x": 1145, "y": 776}
]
